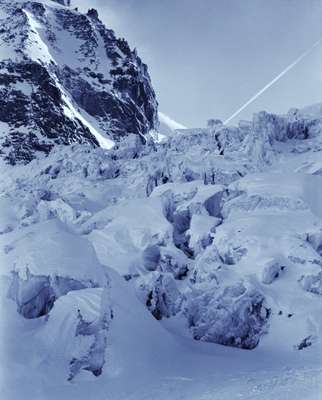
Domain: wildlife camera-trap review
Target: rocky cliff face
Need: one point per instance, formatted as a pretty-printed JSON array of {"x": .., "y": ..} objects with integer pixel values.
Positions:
[{"x": 66, "y": 78}]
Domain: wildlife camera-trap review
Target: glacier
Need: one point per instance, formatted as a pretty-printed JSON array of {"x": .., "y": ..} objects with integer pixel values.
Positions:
[
  {"x": 140, "y": 259},
  {"x": 150, "y": 257}
]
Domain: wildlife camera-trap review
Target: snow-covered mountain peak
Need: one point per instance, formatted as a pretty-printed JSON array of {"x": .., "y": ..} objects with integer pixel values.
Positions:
[{"x": 69, "y": 68}]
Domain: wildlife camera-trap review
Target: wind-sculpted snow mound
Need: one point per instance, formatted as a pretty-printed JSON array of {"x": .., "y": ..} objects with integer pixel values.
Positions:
[
  {"x": 123, "y": 234},
  {"x": 46, "y": 261}
]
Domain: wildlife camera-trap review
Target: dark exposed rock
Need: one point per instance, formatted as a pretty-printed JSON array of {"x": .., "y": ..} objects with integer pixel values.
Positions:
[
  {"x": 100, "y": 77},
  {"x": 306, "y": 342},
  {"x": 63, "y": 2},
  {"x": 92, "y": 13}
]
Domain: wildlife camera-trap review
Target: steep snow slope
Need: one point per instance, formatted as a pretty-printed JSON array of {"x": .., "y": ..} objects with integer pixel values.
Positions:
[
  {"x": 66, "y": 78},
  {"x": 169, "y": 122},
  {"x": 167, "y": 125},
  {"x": 214, "y": 235}
]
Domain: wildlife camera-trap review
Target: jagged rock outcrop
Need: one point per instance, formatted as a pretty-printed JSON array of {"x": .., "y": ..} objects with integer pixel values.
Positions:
[
  {"x": 66, "y": 78},
  {"x": 63, "y": 2}
]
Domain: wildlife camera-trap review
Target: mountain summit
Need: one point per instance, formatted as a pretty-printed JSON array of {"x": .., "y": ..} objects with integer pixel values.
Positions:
[{"x": 66, "y": 78}]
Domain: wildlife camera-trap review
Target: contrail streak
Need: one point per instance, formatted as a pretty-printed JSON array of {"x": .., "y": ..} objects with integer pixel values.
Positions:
[{"x": 279, "y": 76}]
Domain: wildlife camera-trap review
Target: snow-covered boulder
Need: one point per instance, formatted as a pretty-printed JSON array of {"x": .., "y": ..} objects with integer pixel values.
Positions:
[
  {"x": 166, "y": 259},
  {"x": 312, "y": 283},
  {"x": 76, "y": 331},
  {"x": 233, "y": 316},
  {"x": 184, "y": 201},
  {"x": 272, "y": 269},
  {"x": 160, "y": 293},
  {"x": 202, "y": 231},
  {"x": 122, "y": 233},
  {"x": 46, "y": 261}
]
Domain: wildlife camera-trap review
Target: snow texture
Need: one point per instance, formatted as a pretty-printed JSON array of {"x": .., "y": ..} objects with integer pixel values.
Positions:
[
  {"x": 192, "y": 240},
  {"x": 183, "y": 268}
]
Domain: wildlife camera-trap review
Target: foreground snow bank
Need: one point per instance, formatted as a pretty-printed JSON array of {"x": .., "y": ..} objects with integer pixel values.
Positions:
[{"x": 46, "y": 261}]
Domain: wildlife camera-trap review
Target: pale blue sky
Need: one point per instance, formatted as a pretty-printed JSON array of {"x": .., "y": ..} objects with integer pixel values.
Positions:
[{"x": 207, "y": 57}]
